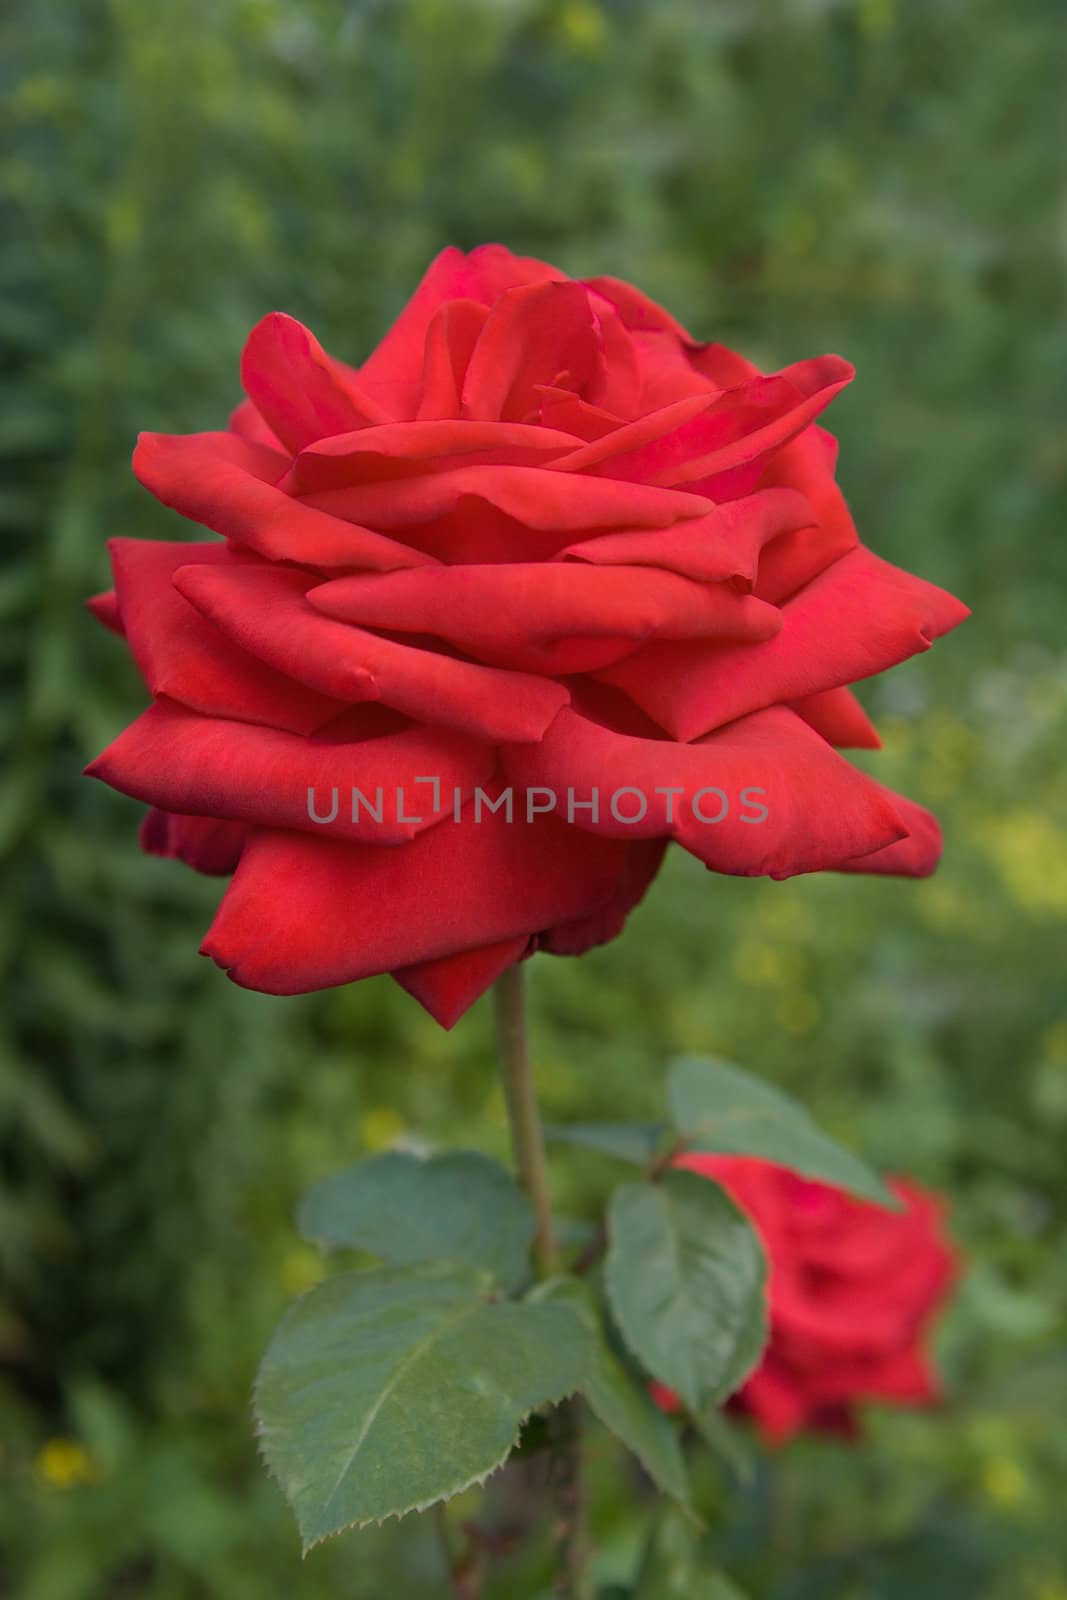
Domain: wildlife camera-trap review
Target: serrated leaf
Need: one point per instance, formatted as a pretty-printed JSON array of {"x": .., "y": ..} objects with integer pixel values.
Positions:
[
  {"x": 672, "y": 1566},
  {"x": 382, "y": 1392},
  {"x": 621, "y": 1400},
  {"x": 635, "y": 1142},
  {"x": 685, "y": 1278},
  {"x": 723, "y": 1110},
  {"x": 459, "y": 1207}
]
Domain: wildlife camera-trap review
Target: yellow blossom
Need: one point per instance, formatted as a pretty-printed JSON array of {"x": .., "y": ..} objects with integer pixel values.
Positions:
[
  {"x": 300, "y": 1271},
  {"x": 63, "y": 1463},
  {"x": 1005, "y": 1482},
  {"x": 582, "y": 24},
  {"x": 380, "y": 1127}
]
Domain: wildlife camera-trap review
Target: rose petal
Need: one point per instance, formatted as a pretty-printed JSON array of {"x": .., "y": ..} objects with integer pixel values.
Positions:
[
  {"x": 182, "y": 656},
  {"x": 913, "y": 857},
  {"x": 569, "y": 412},
  {"x": 450, "y": 339},
  {"x": 734, "y": 428},
  {"x": 481, "y": 276},
  {"x": 302, "y": 393},
  {"x": 858, "y": 617},
  {"x": 628, "y": 437},
  {"x": 837, "y": 715},
  {"x": 643, "y": 860},
  {"x": 305, "y": 913},
  {"x": 804, "y": 465},
  {"x": 203, "y": 843},
  {"x": 532, "y": 334},
  {"x": 449, "y": 986},
  {"x": 265, "y": 611},
  {"x": 635, "y": 309},
  {"x": 105, "y": 608},
  {"x": 246, "y": 421},
  {"x": 404, "y": 448},
  {"x": 535, "y": 496},
  {"x": 230, "y": 485},
  {"x": 765, "y": 797},
  {"x": 209, "y": 767},
  {"x": 724, "y": 545},
  {"x": 520, "y": 613}
]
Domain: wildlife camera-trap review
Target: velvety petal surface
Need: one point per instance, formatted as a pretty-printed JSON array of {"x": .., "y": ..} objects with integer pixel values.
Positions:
[
  {"x": 857, "y": 618},
  {"x": 764, "y": 797},
  {"x": 306, "y": 913},
  {"x": 266, "y": 613},
  {"x": 229, "y": 484},
  {"x": 210, "y": 767},
  {"x": 518, "y": 612},
  {"x": 183, "y": 656}
]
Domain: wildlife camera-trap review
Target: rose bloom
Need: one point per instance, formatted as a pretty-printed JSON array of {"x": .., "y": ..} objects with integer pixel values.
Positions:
[
  {"x": 541, "y": 540},
  {"x": 852, "y": 1291}
]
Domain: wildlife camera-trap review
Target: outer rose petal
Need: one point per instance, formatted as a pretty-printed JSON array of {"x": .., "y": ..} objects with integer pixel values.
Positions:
[
  {"x": 302, "y": 393},
  {"x": 209, "y": 767},
  {"x": 839, "y": 717},
  {"x": 449, "y": 986},
  {"x": 307, "y": 913},
  {"x": 182, "y": 656},
  {"x": 265, "y": 611},
  {"x": 820, "y": 810},
  {"x": 913, "y": 857},
  {"x": 806, "y": 464},
  {"x": 857, "y": 618},
  {"x": 204, "y": 843},
  {"x": 230, "y": 485},
  {"x": 105, "y": 608},
  {"x": 643, "y": 860},
  {"x": 556, "y": 617}
]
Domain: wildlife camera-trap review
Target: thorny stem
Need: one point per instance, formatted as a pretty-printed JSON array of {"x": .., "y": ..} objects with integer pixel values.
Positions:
[{"x": 565, "y": 1422}]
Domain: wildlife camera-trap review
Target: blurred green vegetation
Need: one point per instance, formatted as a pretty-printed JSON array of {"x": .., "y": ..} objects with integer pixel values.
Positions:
[{"x": 879, "y": 177}]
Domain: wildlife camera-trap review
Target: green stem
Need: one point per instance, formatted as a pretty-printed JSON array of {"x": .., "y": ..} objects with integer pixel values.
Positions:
[
  {"x": 524, "y": 1117},
  {"x": 565, "y": 1424}
]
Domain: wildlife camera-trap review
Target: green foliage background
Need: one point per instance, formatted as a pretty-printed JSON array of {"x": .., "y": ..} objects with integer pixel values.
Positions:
[{"x": 879, "y": 177}]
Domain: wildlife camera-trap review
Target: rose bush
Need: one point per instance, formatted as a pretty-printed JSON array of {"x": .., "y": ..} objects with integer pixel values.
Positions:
[
  {"x": 541, "y": 540},
  {"x": 852, "y": 1287}
]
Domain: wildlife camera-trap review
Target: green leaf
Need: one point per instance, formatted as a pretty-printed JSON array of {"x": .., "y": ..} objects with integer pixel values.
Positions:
[
  {"x": 621, "y": 1399},
  {"x": 728, "y": 1442},
  {"x": 672, "y": 1565},
  {"x": 685, "y": 1279},
  {"x": 459, "y": 1207},
  {"x": 382, "y": 1392},
  {"x": 635, "y": 1142},
  {"x": 721, "y": 1109}
]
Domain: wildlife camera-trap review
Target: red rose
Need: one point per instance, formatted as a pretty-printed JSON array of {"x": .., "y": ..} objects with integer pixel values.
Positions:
[
  {"x": 852, "y": 1289},
  {"x": 540, "y": 542}
]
